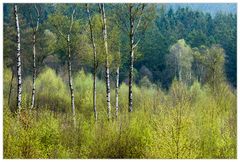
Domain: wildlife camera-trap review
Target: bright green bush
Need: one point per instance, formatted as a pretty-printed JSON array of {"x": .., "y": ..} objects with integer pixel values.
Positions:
[
  {"x": 32, "y": 136},
  {"x": 52, "y": 92},
  {"x": 83, "y": 91}
]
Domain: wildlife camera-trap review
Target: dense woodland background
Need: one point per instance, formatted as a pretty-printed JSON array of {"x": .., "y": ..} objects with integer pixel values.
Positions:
[
  {"x": 196, "y": 27},
  {"x": 184, "y": 83}
]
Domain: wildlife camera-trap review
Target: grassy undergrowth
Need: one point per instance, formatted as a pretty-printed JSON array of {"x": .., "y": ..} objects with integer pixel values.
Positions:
[{"x": 183, "y": 122}]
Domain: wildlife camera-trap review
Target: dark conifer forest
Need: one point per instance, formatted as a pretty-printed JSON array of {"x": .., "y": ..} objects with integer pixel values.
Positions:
[{"x": 119, "y": 81}]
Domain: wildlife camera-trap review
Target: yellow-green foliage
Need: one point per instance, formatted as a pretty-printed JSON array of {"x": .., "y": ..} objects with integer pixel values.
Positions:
[
  {"x": 83, "y": 89},
  {"x": 184, "y": 122},
  {"x": 51, "y": 91}
]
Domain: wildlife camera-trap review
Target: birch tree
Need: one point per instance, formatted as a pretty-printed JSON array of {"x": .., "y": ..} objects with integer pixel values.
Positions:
[
  {"x": 133, "y": 13},
  {"x": 180, "y": 61},
  {"x": 35, "y": 29},
  {"x": 133, "y": 19},
  {"x": 94, "y": 60},
  {"x": 114, "y": 48},
  {"x": 66, "y": 35},
  {"x": 104, "y": 33},
  {"x": 18, "y": 52}
]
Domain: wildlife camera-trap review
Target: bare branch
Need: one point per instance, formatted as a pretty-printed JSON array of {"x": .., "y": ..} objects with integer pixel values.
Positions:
[
  {"x": 100, "y": 8},
  {"x": 38, "y": 16},
  {"x": 72, "y": 16},
  {"x": 139, "y": 20},
  {"x": 90, "y": 22},
  {"x": 135, "y": 45}
]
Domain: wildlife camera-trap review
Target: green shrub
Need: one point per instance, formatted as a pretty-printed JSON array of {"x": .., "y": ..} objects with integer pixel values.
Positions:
[
  {"x": 83, "y": 92},
  {"x": 52, "y": 92}
]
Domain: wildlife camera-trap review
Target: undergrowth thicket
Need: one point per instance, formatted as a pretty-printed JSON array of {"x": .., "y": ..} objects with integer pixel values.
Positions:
[{"x": 183, "y": 122}]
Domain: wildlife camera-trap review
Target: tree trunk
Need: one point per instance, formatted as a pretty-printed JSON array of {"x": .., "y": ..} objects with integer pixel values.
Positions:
[
  {"x": 94, "y": 62},
  {"x": 34, "y": 70},
  {"x": 10, "y": 89},
  {"x": 131, "y": 60},
  {"x": 70, "y": 79},
  {"x": 34, "y": 59},
  {"x": 104, "y": 30},
  {"x": 19, "y": 72},
  {"x": 116, "y": 92}
]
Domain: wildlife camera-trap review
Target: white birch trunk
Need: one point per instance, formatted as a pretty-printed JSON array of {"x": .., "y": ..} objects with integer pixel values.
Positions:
[
  {"x": 104, "y": 30},
  {"x": 34, "y": 71},
  {"x": 70, "y": 79},
  {"x": 34, "y": 60},
  {"x": 19, "y": 72}
]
